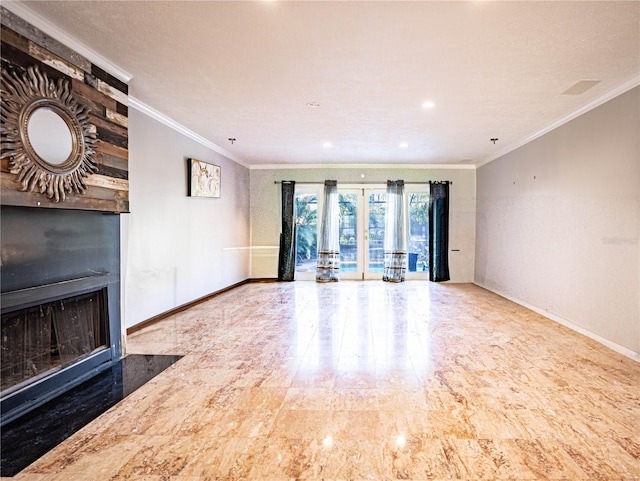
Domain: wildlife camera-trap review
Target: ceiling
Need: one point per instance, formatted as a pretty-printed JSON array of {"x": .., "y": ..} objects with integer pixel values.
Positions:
[{"x": 249, "y": 70}]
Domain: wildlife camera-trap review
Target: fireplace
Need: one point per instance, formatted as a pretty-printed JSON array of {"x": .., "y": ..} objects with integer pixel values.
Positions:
[
  {"x": 41, "y": 339},
  {"x": 60, "y": 303}
]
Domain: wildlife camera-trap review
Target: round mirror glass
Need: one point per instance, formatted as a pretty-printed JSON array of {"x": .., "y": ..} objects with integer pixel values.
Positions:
[{"x": 50, "y": 136}]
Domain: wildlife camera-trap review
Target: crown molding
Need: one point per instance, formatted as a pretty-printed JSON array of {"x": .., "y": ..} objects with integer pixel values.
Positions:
[
  {"x": 60, "y": 35},
  {"x": 49, "y": 28},
  {"x": 626, "y": 86},
  {"x": 162, "y": 118},
  {"x": 362, "y": 166}
]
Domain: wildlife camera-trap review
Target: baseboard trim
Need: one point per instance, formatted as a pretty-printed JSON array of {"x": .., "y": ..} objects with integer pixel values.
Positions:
[
  {"x": 183, "y": 307},
  {"x": 625, "y": 351}
]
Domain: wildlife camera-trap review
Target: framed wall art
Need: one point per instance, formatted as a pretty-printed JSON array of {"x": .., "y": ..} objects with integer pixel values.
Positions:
[{"x": 204, "y": 179}]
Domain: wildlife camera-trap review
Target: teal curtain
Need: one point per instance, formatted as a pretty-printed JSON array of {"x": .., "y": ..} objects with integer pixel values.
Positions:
[
  {"x": 287, "y": 255},
  {"x": 328, "y": 267},
  {"x": 439, "y": 231},
  {"x": 395, "y": 234}
]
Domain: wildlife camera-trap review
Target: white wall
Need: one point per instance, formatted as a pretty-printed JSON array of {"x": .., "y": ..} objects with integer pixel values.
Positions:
[
  {"x": 266, "y": 216},
  {"x": 175, "y": 248},
  {"x": 558, "y": 224}
]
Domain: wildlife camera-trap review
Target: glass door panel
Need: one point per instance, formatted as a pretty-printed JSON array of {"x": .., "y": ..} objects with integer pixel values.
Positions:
[
  {"x": 348, "y": 231},
  {"x": 418, "y": 233},
  {"x": 306, "y": 211},
  {"x": 376, "y": 206}
]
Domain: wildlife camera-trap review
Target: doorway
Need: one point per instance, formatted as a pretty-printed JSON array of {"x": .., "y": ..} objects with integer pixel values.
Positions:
[
  {"x": 361, "y": 230},
  {"x": 362, "y": 213}
]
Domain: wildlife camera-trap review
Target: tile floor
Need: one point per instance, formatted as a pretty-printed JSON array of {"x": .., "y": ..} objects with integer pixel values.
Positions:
[
  {"x": 364, "y": 381},
  {"x": 30, "y": 436}
]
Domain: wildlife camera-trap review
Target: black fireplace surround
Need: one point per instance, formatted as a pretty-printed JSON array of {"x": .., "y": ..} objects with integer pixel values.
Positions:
[{"x": 52, "y": 258}]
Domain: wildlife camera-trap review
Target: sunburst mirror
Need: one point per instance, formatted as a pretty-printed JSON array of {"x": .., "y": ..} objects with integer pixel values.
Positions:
[{"x": 46, "y": 134}]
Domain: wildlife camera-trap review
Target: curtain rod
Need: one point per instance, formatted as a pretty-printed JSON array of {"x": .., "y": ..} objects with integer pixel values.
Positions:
[{"x": 364, "y": 182}]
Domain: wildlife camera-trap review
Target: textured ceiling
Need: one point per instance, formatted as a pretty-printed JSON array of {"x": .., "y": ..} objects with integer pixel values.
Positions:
[{"x": 247, "y": 70}]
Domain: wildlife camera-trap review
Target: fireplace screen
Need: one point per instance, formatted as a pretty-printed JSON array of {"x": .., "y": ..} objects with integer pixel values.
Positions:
[{"x": 47, "y": 337}]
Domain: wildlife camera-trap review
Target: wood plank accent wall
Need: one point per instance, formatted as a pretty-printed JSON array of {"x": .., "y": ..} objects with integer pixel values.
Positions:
[{"x": 22, "y": 46}]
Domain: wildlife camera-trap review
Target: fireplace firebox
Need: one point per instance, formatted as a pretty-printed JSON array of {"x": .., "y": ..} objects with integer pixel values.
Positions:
[
  {"x": 39, "y": 340},
  {"x": 60, "y": 303}
]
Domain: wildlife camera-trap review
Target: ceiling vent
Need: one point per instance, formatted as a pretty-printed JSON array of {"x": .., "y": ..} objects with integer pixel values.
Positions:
[{"x": 581, "y": 87}]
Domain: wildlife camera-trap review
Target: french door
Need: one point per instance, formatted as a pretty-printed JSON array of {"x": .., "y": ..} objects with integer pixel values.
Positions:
[
  {"x": 362, "y": 212},
  {"x": 362, "y": 219}
]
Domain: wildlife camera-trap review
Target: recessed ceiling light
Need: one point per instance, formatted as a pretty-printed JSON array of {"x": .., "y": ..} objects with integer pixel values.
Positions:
[
  {"x": 313, "y": 105},
  {"x": 403, "y": 145},
  {"x": 327, "y": 145},
  {"x": 428, "y": 105}
]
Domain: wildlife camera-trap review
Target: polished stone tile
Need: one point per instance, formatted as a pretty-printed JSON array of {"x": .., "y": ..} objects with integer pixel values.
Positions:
[
  {"x": 302, "y": 424},
  {"x": 344, "y": 399},
  {"x": 30, "y": 436},
  {"x": 317, "y": 399},
  {"x": 364, "y": 381}
]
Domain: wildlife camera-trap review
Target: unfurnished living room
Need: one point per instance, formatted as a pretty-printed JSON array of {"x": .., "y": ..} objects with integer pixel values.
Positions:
[{"x": 320, "y": 240}]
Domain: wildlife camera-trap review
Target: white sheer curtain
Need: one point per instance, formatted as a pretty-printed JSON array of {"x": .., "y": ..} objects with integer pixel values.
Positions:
[
  {"x": 395, "y": 235},
  {"x": 328, "y": 268}
]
